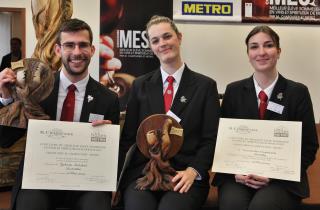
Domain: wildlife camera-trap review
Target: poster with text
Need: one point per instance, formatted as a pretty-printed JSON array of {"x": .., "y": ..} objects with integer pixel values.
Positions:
[
  {"x": 248, "y": 11},
  {"x": 281, "y": 11},
  {"x": 207, "y": 10},
  {"x": 124, "y": 47}
]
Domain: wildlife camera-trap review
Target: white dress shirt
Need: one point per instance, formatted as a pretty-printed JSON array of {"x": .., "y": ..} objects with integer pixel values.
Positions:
[
  {"x": 177, "y": 78},
  {"x": 79, "y": 94},
  {"x": 267, "y": 91}
]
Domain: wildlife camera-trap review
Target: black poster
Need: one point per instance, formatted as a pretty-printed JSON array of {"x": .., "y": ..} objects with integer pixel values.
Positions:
[{"x": 129, "y": 56}]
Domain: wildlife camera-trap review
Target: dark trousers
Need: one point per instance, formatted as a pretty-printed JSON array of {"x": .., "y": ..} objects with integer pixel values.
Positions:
[
  {"x": 51, "y": 199},
  {"x": 233, "y": 195},
  {"x": 160, "y": 200}
]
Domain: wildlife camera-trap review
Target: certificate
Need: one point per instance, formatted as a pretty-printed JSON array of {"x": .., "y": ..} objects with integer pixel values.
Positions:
[
  {"x": 262, "y": 147},
  {"x": 71, "y": 156}
]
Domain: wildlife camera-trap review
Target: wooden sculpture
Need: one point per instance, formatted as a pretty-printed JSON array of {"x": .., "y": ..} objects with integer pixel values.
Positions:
[
  {"x": 159, "y": 138},
  {"x": 34, "y": 83},
  {"x": 47, "y": 17}
]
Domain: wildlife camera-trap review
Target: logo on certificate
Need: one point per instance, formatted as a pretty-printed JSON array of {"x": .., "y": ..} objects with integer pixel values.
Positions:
[
  {"x": 281, "y": 132},
  {"x": 55, "y": 133},
  {"x": 98, "y": 137},
  {"x": 243, "y": 129}
]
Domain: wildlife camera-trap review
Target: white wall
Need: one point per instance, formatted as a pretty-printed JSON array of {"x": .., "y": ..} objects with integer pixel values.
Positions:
[
  {"x": 89, "y": 11},
  {"x": 218, "y": 50},
  {"x": 5, "y": 34},
  {"x": 30, "y": 35}
]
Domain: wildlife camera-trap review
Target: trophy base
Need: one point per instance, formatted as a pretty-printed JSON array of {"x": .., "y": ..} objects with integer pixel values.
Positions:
[{"x": 158, "y": 176}]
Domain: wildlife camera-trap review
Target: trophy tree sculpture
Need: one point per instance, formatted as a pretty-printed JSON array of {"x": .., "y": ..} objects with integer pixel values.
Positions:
[
  {"x": 159, "y": 138},
  {"x": 34, "y": 84},
  {"x": 47, "y": 17}
]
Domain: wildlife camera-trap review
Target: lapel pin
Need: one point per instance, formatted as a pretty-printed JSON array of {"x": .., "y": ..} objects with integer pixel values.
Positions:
[
  {"x": 183, "y": 99},
  {"x": 280, "y": 96},
  {"x": 90, "y": 98}
]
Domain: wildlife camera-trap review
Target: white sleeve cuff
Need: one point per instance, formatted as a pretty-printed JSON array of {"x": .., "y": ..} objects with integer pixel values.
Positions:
[
  {"x": 6, "y": 101},
  {"x": 198, "y": 175}
]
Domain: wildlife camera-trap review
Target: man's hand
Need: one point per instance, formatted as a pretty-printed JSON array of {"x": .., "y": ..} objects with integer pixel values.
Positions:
[
  {"x": 184, "y": 180},
  {"x": 101, "y": 122},
  {"x": 7, "y": 77}
]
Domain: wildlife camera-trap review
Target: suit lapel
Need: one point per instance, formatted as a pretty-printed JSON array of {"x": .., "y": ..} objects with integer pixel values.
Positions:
[
  {"x": 185, "y": 92},
  {"x": 154, "y": 89},
  {"x": 50, "y": 103},
  {"x": 88, "y": 101},
  {"x": 251, "y": 104},
  {"x": 277, "y": 96}
]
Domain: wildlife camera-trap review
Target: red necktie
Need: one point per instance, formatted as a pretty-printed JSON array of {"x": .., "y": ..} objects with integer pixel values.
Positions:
[
  {"x": 168, "y": 94},
  {"x": 68, "y": 105},
  {"x": 263, "y": 103}
]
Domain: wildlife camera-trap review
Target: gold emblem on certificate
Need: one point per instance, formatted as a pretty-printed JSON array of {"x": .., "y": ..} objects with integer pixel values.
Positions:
[{"x": 159, "y": 138}]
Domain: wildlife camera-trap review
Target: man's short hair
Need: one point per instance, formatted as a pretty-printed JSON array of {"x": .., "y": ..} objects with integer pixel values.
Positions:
[
  {"x": 74, "y": 25},
  {"x": 16, "y": 39}
]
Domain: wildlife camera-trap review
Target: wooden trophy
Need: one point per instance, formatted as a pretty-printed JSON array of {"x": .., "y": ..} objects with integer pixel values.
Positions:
[
  {"x": 34, "y": 83},
  {"x": 159, "y": 138}
]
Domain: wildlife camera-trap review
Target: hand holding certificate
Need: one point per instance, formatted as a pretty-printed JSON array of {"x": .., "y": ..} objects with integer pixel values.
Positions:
[
  {"x": 71, "y": 156},
  {"x": 262, "y": 147}
]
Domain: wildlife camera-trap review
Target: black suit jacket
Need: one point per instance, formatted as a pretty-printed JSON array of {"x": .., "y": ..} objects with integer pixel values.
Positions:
[
  {"x": 5, "y": 62},
  {"x": 104, "y": 103},
  {"x": 199, "y": 116},
  {"x": 240, "y": 101}
]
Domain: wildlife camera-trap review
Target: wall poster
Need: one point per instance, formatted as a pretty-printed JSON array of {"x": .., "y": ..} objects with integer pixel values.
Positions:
[
  {"x": 248, "y": 11},
  {"x": 124, "y": 47}
]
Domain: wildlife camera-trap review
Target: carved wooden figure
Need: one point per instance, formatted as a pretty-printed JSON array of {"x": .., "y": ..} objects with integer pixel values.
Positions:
[
  {"x": 159, "y": 138},
  {"x": 34, "y": 83},
  {"x": 47, "y": 17}
]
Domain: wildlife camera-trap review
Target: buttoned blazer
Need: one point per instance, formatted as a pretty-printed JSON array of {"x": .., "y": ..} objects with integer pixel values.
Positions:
[
  {"x": 195, "y": 103},
  {"x": 240, "y": 101},
  {"x": 104, "y": 102}
]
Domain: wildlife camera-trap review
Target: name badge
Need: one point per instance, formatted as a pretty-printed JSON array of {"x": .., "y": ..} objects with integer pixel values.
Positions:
[
  {"x": 174, "y": 116},
  {"x": 94, "y": 117},
  {"x": 275, "y": 107}
]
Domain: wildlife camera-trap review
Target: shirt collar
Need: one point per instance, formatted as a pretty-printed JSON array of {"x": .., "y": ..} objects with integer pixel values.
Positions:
[
  {"x": 176, "y": 75},
  {"x": 81, "y": 85},
  {"x": 268, "y": 90}
]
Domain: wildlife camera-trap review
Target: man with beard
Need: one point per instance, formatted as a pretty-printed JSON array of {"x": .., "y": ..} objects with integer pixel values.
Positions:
[{"x": 92, "y": 103}]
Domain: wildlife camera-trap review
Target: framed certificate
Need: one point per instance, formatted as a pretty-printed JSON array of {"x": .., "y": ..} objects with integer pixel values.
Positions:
[
  {"x": 71, "y": 156},
  {"x": 262, "y": 147}
]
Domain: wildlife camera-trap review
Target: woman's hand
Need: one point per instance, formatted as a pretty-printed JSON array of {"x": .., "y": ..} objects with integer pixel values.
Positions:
[
  {"x": 257, "y": 182},
  {"x": 185, "y": 180},
  {"x": 253, "y": 181}
]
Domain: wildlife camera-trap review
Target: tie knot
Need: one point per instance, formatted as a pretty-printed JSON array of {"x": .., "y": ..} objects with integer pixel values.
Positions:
[
  {"x": 72, "y": 87},
  {"x": 170, "y": 79},
  {"x": 263, "y": 96}
]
